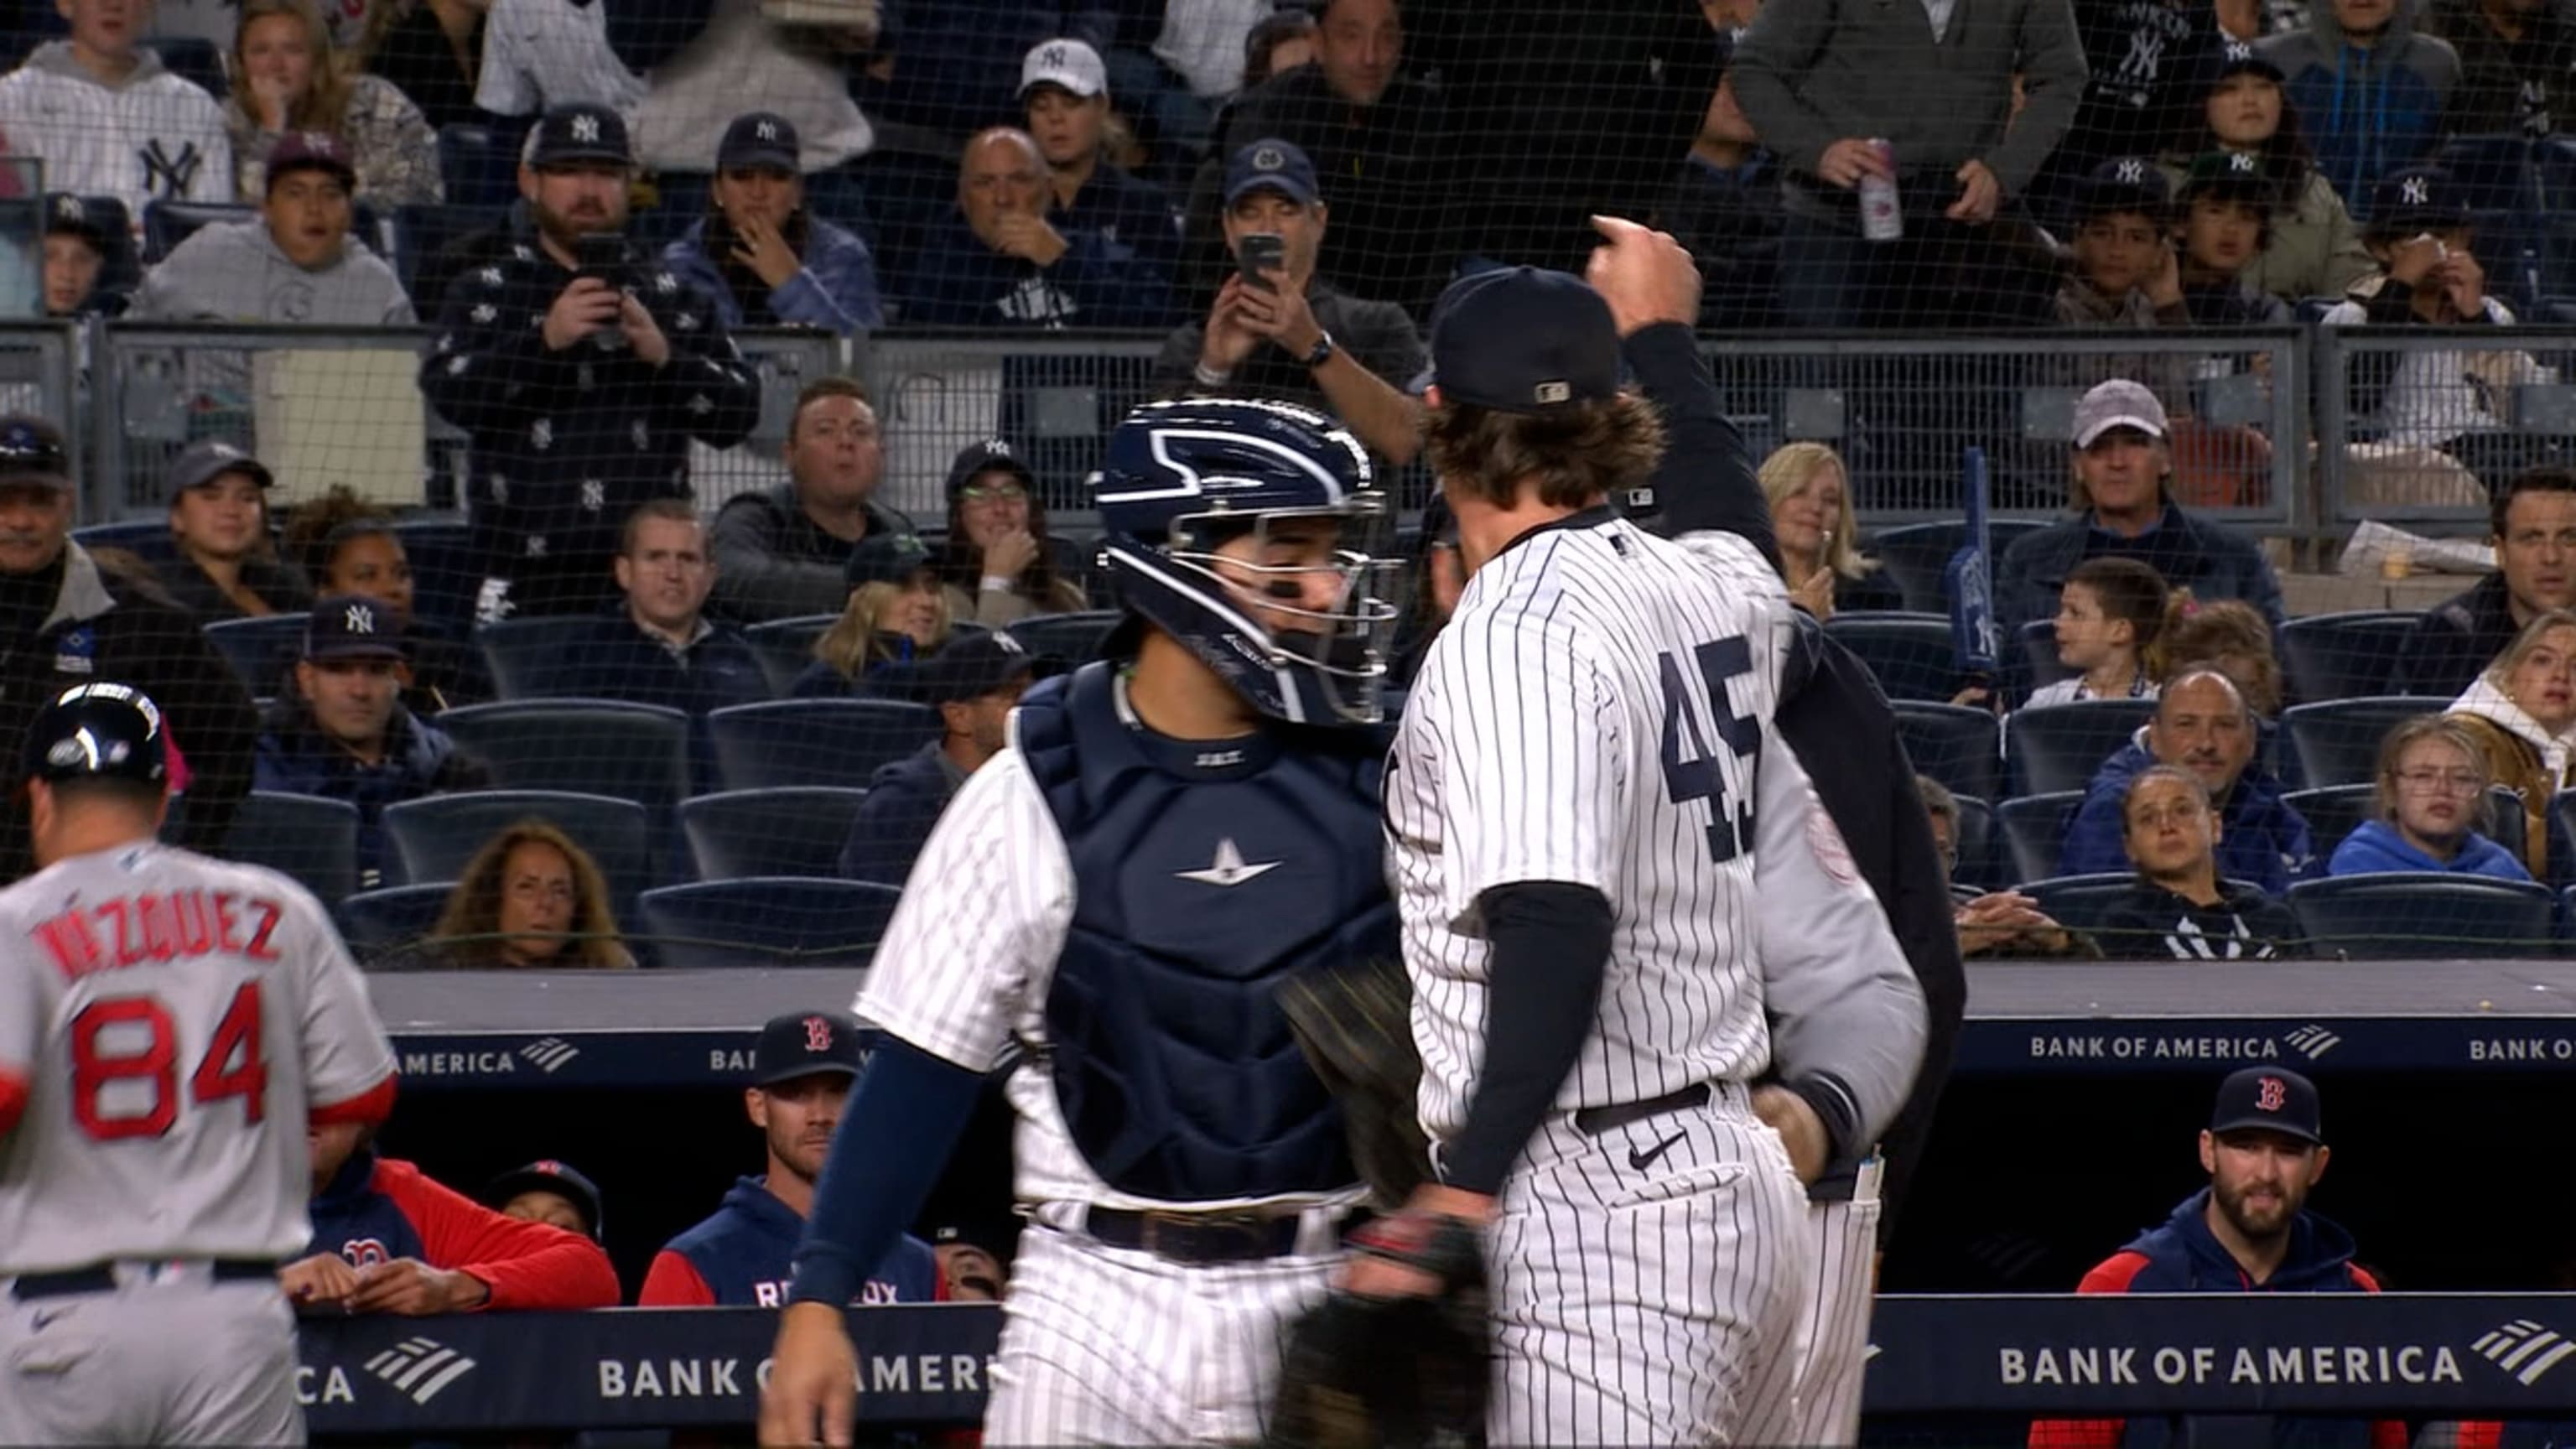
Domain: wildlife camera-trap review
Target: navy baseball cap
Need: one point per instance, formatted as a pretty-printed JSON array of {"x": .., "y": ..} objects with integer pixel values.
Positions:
[
  {"x": 886, "y": 558},
  {"x": 2230, "y": 56},
  {"x": 761, "y": 138},
  {"x": 1522, "y": 340},
  {"x": 580, "y": 132},
  {"x": 984, "y": 457},
  {"x": 803, "y": 1043},
  {"x": 32, "y": 451},
  {"x": 2267, "y": 1099},
  {"x": 1271, "y": 164},
  {"x": 311, "y": 151},
  {"x": 547, "y": 1175},
  {"x": 2416, "y": 199},
  {"x": 2124, "y": 183},
  {"x": 207, "y": 459},
  {"x": 2235, "y": 175},
  {"x": 69, "y": 215},
  {"x": 351, "y": 626},
  {"x": 975, "y": 665}
]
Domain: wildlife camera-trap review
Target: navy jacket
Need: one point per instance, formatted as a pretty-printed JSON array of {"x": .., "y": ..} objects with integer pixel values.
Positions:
[
  {"x": 2262, "y": 838},
  {"x": 1123, "y": 210},
  {"x": 957, "y": 281},
  {"x": 616, "y": 659},
  {"x": 904, "y": 801},
  {"x": 2458, "y": 638},
  {"x": 296, "y": 758},
  {"x": 2210, "y": 559},
  {"x": 739, "y": 1258}
]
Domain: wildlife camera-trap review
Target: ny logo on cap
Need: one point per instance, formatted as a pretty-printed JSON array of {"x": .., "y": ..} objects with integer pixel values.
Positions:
[
  {"x": 818, "y": 1033},
  {"x": 1006, "y": 643},
  {"x": 2241, "y": 163},
  {"x": 1269, "y": 158},
  {"x": 2271, "y": 1093},
  {"x": 765, "y": 130},
  {"x": 2238, "y": 50},
  {"x": 1054, "y": 57},
  {"x": 2133, "y": 171},
  {"x": 70, "y": 209},
  {"x": 361, "y": 619},
  {"x": 585, "y": 128},
  {"x": 2416, "y": 191}
]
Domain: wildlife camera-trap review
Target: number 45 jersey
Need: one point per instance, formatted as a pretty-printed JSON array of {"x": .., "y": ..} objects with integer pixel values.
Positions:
[
  {"x": 1598, "y": 713},
  {"x": 168, "y": 1026}
]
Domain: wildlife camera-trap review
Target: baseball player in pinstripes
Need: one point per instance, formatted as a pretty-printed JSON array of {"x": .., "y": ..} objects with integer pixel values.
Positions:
[
  {"x": 169, "y": 1026},
  {"x": 1582, "y": 786},
  {"x": 1118, "y": 895}
]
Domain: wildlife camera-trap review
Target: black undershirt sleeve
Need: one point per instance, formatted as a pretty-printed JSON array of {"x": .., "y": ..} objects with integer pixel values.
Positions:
[{"x": 1551, "y": 947}]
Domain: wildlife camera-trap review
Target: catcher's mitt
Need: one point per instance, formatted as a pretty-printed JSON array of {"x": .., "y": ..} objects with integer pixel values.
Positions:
[
  {"x": 1355, "y": 1025},
  {"x": 1360, "y": 1373}
]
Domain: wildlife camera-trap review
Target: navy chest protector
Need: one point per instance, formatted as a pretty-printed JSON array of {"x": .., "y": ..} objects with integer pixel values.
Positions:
[{"x": 1204, "y": 875}]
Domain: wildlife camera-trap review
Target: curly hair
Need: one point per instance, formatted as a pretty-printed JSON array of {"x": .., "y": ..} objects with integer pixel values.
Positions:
[
  {"x": 2231, "y": 638},
  {"x": 473, "y": 914},
  {"x": 1573, "y": 457},
  {"x": 316, "y": 532}
]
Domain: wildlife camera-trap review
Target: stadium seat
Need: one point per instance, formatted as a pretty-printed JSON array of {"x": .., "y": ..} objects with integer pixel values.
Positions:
[
  {"x": 2034, "y": 831},
  {"x": 436, "y": 836},
  {"x": 260, "y": 650},
  {"x": 2337, "y": 741},
  {"x": 2343, "y": 656},
  {"x": 1952, "y": 743},
  {"x": 2061, "y": 746},
  {"x": 146, "y": 538},
  {"x": 311, "y": 839},
  {"x": 637, "y": 752},
  {"x": 1911, "y": 654},
  {"x": 1976, "y": 841},
  {"x": 2079, "y": 901},
  {"x": 766, "y": 921},
  {"x": 446, "y": 570},
  {"x": 1073, "y": 638},
  {"x": 2332, "y": 811},
  {"x": 2403, "y": 915},
  {"x": 836, "y": 742},
  {"x": 1915, "y": 555},
  {"x": 374, "y": 922},
  {"x": 479, "y": 164},
  {"x": 527, "y": 656},
  {"x": 786, "y": 646},
  {"x": 797, "y": 830},
  {"x": 168, "y": 223}
]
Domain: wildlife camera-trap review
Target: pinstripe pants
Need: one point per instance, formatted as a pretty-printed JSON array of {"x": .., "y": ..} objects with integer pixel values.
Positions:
[
  {"x": 1647, "y": 1283},
  {"x": 1833, "y": 1321}
]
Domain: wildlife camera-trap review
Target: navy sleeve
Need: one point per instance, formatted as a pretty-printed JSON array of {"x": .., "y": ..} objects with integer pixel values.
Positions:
[
  {"x": 1551, "y": 948},
  {"x": 894, "y": 1138},
  {"x": 1705, "y": 483}
]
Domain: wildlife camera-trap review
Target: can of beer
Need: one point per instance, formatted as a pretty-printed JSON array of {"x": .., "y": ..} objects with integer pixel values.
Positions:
[{"x": 1882, "y": 216}]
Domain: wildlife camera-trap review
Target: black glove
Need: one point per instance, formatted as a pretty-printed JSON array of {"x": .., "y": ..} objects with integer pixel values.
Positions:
[
  {"x": 1363, "y": 1372},
  {"x": 1355, "y": 1025}
]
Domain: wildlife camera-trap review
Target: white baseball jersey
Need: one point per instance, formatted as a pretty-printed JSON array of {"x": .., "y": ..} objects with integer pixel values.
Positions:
[{"x": 175, "y": 1020}]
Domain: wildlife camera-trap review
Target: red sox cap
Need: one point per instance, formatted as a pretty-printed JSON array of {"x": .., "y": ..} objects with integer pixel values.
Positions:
[
  {"x": 802, "y": 1043},
  {"x": 2267, "y": 1099}
]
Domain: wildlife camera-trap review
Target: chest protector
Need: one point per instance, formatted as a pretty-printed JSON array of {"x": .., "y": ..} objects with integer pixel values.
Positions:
[{"x": 1204, "y": 875}]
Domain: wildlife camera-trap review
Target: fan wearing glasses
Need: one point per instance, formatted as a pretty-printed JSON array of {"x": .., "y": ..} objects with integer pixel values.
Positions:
[
  {"x": 998, "y": 565},
  {"x": 2431, "y": 798}
]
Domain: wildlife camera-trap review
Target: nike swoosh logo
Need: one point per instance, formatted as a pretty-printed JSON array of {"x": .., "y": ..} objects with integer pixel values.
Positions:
[
  {"x": 42, "y": 1321},
  {"x": 1642, "y": 1160}
]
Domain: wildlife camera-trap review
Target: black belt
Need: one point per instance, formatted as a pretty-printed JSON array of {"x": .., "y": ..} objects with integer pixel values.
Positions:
[
  {"x": 101, "y": 1278},
  {"x": 1212, "y": 1237},
  {"x": 1593, "y": 1121}
]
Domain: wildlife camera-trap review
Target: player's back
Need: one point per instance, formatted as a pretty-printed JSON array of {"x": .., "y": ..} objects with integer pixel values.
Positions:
[{"x": 179, "y": 1018}]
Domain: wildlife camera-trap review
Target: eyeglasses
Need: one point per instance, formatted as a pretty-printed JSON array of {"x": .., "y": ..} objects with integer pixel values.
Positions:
[
  {"x": 997, "y": 493},
  {"x": 2449, "y": 782}
]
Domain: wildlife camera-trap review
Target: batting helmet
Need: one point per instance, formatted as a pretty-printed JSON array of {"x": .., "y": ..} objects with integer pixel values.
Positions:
[
  {"x": 1182, "y": 478},
  {"x": 99, "y": 731}
]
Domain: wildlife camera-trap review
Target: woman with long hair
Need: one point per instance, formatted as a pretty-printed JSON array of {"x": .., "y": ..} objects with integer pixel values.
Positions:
[
  {"x": 2180, "y": 907},
  {"x": 2313, "y": 249},
  {"x": 530, "y": 898},
  {"x": 2432, "y": 799},
  {"x": 2522, "y": 713},
  {"x": 998, "y": 565},
  {"x": 897, "y": 613},
  {"x": 287, "y": 78},
  {"x": 1811, "y": 516}
]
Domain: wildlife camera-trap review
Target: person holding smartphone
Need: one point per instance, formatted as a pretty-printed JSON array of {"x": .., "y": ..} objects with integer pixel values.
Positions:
[{"x": 1277, "y": 330}]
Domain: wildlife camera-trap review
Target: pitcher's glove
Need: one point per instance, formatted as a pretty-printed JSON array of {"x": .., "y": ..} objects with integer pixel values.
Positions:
[
  {"x": 1365, "y": 1372},
  {"x": 1355, "y": 1025}
]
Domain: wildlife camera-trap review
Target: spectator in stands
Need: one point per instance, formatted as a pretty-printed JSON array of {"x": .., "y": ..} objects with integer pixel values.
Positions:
[
  {"x": 1064, "y": 94},
  {"x": 998, "y": 262},
  {"x": 784, "y": 552},
  {"x": 110, "y": 120},
  {"x": 2313, "y": 249},
  {"x": 2138, "y": 96},
  {"x": 549, "y": 1192},
  {"x": 2522, "y": 713},
  {"x": 766, "y": 259},
  {"x": 581, "y": 380},
  {"x": 225, "y": 567},
  {"x": 2121, "y": 461},
  {"x": 1811, "y": 515},
  {"x": 998, "y": 565},
  {"x": 1995, "y": 923},
  {"x": 1278, "y": 42},
  {"x": 1725, "y": 207},
  {"x": 2432, "y": 799},
  {"x": 530, "y": 898},
  {"x": 432, "y": 52},
  {"x": 1290, "y": 334},
  {"x": 541, "y": 56},
  {"x": 2126, "y": 274},
  {"x": 2179, "y": 906},
  {"x": 343, "y": 734},
  {"x": 706, "y": 60},
  {"x": 2371, "y": 88},
  {"x": 974, "y": 683},
  {"x": 2111, "y": 620},
  {"x": 660, "y": 647},
  {"x": 294, "y": 262},
  {"x": 972, "y": 1273},
  {"x": 387, "y": 1238},
  {"x": 64, "y": 621},
  {"x": 2532, "y": 528},
  {"x": 286, "y": 78},
  {"x": 348, "y": 547},
  {"x": 2223, "y": 225},
  {"x": 2230, "y": 637},
  {"x": 77, "y": 247},
  {"x": 950, "y": 60},
  {"x": 801, "y": 1070},
  {"x": 2516, "y": 58},
  {"x": 897, "y": 612},
  {"x": 1815, "y": 80},
  {"x": 2203, "y": 728}
]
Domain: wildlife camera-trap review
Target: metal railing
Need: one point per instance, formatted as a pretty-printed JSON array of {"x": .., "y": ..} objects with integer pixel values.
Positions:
[{"x": 2414, "y": 424}]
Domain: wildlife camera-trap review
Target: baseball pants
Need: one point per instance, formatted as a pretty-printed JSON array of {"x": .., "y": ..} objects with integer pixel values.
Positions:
[
  {"x": 1646, "y": 1283},
  {"x": 180, "y": 1360},
  {"x": 1104, "y": 1345},
  {"x": 1833, "y": 1321}
]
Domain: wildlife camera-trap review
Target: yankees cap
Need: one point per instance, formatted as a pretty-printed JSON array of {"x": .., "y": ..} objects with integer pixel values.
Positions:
[
  {"x": 2229, "y": 56},
  {"x": 2267, "y": 1099},
  {"x": 1068, "y": 65},
  {"x": 987, "y": 455},
  {"x": 207, "y": 459},
  {"x": 1522, "y": 340},
  {"x": 2415, "y": 199},
  {"x": 351, "y": 626},
  {"x": 2124, "y": 183},
  {"x": 761, "y": 138},
  {"x": 580, "y": 132},
  {"x": 2234, "y": 175},
  {"x": 802, "y": 1043}
]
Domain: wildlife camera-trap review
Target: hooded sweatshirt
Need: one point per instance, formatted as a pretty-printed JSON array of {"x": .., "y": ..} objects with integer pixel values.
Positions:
[
  {"x": 2366, "y": 110},
  {"x": 233, "y": 271},
  {"x": 151, "y": 137},
  {"x": 2376, "y": 847},
  {"x": 740, "y": 1258},
  {"x": 2522, "y": 757}
]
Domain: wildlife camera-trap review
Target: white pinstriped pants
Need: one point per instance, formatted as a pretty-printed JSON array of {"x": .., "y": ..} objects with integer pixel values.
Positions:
[
  {"x": 1833, "y": 1321},
  {"x": 1647, "y": 1283},
  {"x": 1106, "y": 1346}
]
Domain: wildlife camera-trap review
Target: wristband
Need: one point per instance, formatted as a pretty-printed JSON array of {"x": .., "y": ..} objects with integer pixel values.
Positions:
[
  {"x": 996, "y": 584},
  {"x": 1209, "y": 376}
]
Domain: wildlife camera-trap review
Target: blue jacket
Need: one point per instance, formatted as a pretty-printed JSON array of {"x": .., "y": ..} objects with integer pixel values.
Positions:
[
  {"x": 739, "y": 1257},
  {"x": 836, "y": 289},
  {"x": 2369, "y": 111},
  {"x": 295, "y": 758},
  {"x": 904, "y": 801},
  {"x": 2375, "y": 846},
  {"x": 957, "y": 281},
  {"x": 2209, "y": 558},
  {"x": 616, "y": 659},
  {"x": 1123, "y": 210},
  {"x": 2262, "y": 840}
]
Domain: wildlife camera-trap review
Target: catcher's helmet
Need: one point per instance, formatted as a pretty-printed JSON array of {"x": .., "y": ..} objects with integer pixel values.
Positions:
[
  {"x": 98, "y": 731},
  {"x": 1182, "y": 478}
]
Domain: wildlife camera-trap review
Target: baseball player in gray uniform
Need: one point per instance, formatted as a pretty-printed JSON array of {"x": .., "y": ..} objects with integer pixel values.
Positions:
[
  {"x": 1584, "y": 805},
  {"x": 169, "y": 1026}
]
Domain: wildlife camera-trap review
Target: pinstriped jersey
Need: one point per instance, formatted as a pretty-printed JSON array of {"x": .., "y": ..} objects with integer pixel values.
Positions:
[{"x": 1594, "y": 715}]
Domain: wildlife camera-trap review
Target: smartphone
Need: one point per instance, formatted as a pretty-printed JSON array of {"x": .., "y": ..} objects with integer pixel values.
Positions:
[
  {"x": 602, "y": 254},
  {"x": 1262, "y": 251}
]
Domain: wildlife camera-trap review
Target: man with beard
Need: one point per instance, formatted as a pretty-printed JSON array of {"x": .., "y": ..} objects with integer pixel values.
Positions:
[
  {"x": 582, "y": 374},
  {"x": 2249, "y": 1231},
  {"x": 800, "y": 1075},
  {"x": 974, "y": 683}
]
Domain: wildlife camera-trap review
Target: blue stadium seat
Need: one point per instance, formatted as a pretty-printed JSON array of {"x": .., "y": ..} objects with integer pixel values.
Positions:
[
  {"x": 766, "y": 921},
  {"x": 1952, "y": 743},
  {"x": 1915, "y": 555},
  {"x": 446, "y": 569},
  {"x": 795, "y": 830},
  {"x": 1976, "y": 841},
  {"x": 168, "y": 223},
  {"x": 374, "y": 922},
  {"x": 260, "y": 650},
  {"x": 2079, "y": 901},
  {"x": 146, "y": 538},
  {"x": 1910, "y": 653},
  {"x": 435, "y": 836},
  {"x": 479, "y": 164},
  {"x": 2034, "y": 830},
  {"x": 527, "y": 656},
  {"x": 2061, "y": 746},
  {"x": 786, "y": 646},
  {"x": 1073, "y": 638},
  {"x": 2337, "y": 741},
  {"x": 2396, "y": 916},
  {"x": 637, "y": 752},
  {"x": 2343, "y": 656},
  {"x": 311, "y": 839},
  {"x": 836, "y": 742}
]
